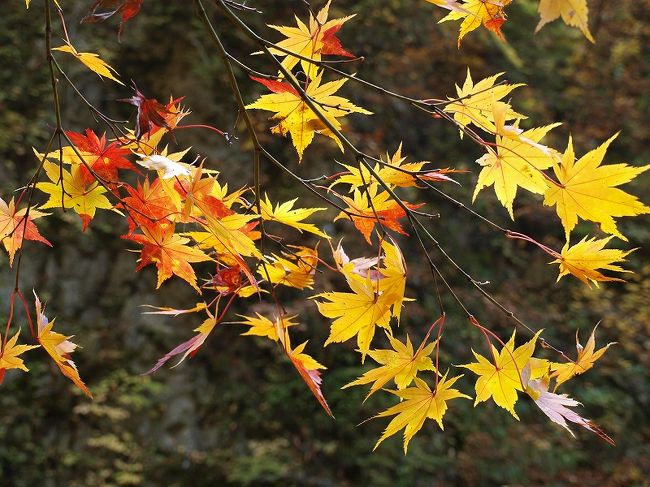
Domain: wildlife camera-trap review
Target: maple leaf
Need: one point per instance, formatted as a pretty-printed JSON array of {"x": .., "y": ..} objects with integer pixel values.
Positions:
[
  {"x": 228, "y": 280},
  {"x": 308, "y": 368},
  {"x": 313, "y": 41},
  {"x": 10, "y": 355},
  {"x": 190, "y": 347},
  {"x": 17, "y": 226},
  {"x": 169, "y": 252},
  {"x": 587, "y": 355},
  {"x": 517, "y": 162},
  {"x": 473, "y": 13},
  {"x": 263, "y": 327},
  {"x": 574, "y": 13},
  {"x": 356, "y": 313},
  {"x": 296, "y": 118},
  {"x": 365, "y": 215},
  {"x": 103, "y": 160},
  {"x": 126, "y": 8},
  {"x": 394, "y": 173},
  {"x": 417, "y": 404},
  {"x": 474, "y": 103},
  {"x": 296, "y": 270},
  {"x": 73, "y": 192},
  {"x": 152, "y": 115},
  {"x": 286, "y": 214},
  {"x": 149, "y": 205},
  {"x": 501, "y": 380},
  {"x": 557, "y": 406},
  {"x": 59, "y": 347},
  {"x": 588, "y": 190},
  {"x": 584, "y": 258},
  {"x": 400, "y": 364},
  {"x": 92, "y": 61}
]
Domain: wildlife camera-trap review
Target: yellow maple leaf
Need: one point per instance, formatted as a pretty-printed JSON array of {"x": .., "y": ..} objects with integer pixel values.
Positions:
[
  {"x": 296, "y": 118},
  {"x": 286, "y": 214},
  {"x": 59, "y": 347},
  {"x": 474, "y": 13},
  {"x": 16, "y": 226},
  {"x": 9, "y": 355},
  {"x": 588, "y": 190},
  {"x": 587, "y": 355},
  {"x": 516, "y": 162},
  {"x": 356, "y": 313},
  {"x": 263, "y": 327},
  {"x": 92, "y": 61},
  {"x": 419, "y": 403},
  {"x": 400, "y": 364},
  {"x": 574, "y": 13},
  {"x": 584, "y": 258},
  {"x": 296, "y": 270},
  {"x": 502, "y": 379},
  {"x": 73, "y": 192},
  {"x": 309, "y": 41},
  {"x": 395, "y": 173},
  {"x": 474, "y": 103}
]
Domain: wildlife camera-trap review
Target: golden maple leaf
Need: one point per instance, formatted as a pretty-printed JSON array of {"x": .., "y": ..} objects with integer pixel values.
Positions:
[
  {"x": 574, "y": 13},
  {"x": 294, "y": 270},
  {"x": 10, "y": 355},
  {"x": 400, "y": 364},
  {"x": 584, "y": 258},
  {"x": 73, "y": 192},
  {"x": 356, "y": 313},
  {"x": 17, "y": 226},
  {"x": 517, "y": 162},
  {"x": 501, "y": 380},
  {"x": 588, "y": 190},
  {"x": 311, "y": 41},
  {"x": 263, "y": 327},
  {"x": 92, "y": 61},
  {"x": 473, "y": 13},
  {"x": 587, "y": 355},
  {"x": 286, "y": 214},
  {"x": 296, "y": 118},
  {"x": 474, "y": 103},
  {"x": 418, "y": 404},
  {"x": 59, "y": 347}
]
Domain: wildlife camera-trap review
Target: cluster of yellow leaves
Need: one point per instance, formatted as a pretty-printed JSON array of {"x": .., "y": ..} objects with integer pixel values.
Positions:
[
  {"x": 577, "y": 189},
  {"x": 491, "y": 14}
]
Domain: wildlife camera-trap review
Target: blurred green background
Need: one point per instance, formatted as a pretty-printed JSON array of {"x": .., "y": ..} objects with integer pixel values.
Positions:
[{"x": 238, "y": 414}]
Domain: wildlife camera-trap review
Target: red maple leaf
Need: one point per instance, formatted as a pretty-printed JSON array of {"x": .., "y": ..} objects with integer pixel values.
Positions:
[
  {"x": 152, "y": 114},
  {"x": 127, "y": 8},
  {"x": 148, "y": 205},
  {"x": 109, "y": 158},
  {"x": 332, "y": 45}
]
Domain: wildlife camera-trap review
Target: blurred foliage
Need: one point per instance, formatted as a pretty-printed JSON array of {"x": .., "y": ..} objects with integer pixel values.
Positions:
[{"x": 237, "y": 414}]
